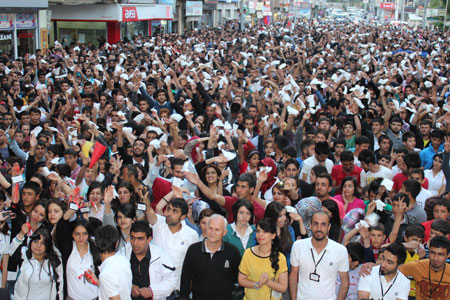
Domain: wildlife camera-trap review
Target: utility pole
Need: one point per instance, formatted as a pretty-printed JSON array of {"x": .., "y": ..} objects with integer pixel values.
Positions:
[
  {"x": 241, "y": 17},
  {"x": 445, "y": 16},
  {"x": 425, "y": 14}
]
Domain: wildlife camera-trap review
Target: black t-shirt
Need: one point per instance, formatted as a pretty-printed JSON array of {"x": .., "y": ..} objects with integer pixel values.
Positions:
[{"x": 139, "y": 270}]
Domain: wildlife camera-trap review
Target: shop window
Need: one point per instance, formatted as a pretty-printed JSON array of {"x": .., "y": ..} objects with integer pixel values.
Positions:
[
  {"x": 6, "y": 42},
  {"x": 25, "y": 41}
]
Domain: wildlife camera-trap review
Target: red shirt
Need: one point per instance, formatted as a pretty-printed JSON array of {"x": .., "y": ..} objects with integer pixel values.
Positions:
[
  {"x": 400, "y": 177},
  {"x": 427, "y": 226},
  {"x": 258, "y": 209},
  {"x": 338, "y": 174}
]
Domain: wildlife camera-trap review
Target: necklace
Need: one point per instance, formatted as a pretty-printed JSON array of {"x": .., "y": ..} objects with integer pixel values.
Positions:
[{"x": 429, "y": 280}]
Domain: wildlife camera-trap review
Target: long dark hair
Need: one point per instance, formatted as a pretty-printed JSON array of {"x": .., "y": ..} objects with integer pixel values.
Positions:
[
  {"x": 115, "y": 203},
  {"x": 92, "y": 247},
  {"x": 335, "y": 220},
  {"x": 245, "y": 203},
  {"x": 94, "y": 185},
  {"x": 355, "y": 185},
  {"x": 273, "y": 212},
  {"x": 268, "y": 226},
  {"x": 50, "y": 254},
  {"x": 128, "y": 211}
]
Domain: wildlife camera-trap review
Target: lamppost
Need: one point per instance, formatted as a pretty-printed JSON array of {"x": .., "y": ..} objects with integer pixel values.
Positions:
[
  {"x": 425, "y": 15},
  {"x": 445, "y": 16}
]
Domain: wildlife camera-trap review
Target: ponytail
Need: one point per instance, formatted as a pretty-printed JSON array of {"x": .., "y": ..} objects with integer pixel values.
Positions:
[{"x": 274, "y": 254}]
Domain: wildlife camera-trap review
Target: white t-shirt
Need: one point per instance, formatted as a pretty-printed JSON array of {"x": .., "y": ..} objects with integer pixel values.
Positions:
[
  {"x": 368, "y": 177},
  {"x": 353, "y": 276},
  {"x": 435, "y": 182},
  {"x": 422, "y": 197},
  {"x": 115, "y": 278},
  {"x": 398, "y": 289},
  {"x": 310, "y": 162},
  {"x": 175, "y": 244},
  {"x": 334, "y": 260}
]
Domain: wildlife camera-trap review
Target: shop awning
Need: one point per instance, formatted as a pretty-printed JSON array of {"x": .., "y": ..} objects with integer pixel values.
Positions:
[
  {"x": 111, "y": 12},
  {"x": 192, "y": 19},
  {"x": 23, "y": 5}
]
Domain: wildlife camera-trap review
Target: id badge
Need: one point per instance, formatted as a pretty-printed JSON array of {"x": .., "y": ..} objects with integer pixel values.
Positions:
[{"x": 314, "y": 277}]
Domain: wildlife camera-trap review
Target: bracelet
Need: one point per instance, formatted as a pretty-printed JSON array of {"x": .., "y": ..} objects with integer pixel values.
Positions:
[
  {"x": 257, "y": 285},
  {"x": 165, "y": 200}
]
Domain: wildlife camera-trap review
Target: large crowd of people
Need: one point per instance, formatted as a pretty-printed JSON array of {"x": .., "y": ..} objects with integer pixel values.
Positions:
[{"x": 304, "y": 160}]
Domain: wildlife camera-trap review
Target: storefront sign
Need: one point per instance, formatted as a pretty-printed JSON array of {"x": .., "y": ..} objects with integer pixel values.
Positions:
[
  {"x": 112, "y": 12},
  {"x": 6, "y": 21},
  {"x": 129, "y": 14},
  {"x": 25, "y": 20},
  {"x": 259, "y": 6},
  {"x": 388, "y": 6},
  {"x": 194, "y": 8},
  {"x": 44, "y": 40},
  {"x": 5, "y": 36}
]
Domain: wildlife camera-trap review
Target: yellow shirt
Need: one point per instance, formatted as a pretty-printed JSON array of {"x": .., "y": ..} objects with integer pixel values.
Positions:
[
  {"x": 410, "y": 258},
  {"x": 253, "y": 266}
]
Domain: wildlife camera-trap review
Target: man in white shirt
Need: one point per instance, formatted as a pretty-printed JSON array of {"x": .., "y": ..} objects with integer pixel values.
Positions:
[
  {"x": 171, "y": 233},
  {"x": 371, "y": 169},
  {"x": 320, "y": 158},
  {"x": 316, "y": 263},
  {"x": 419, "y": 175},
  {"x": 115, "y": 277},
  {"x": 385, "y": 280}
]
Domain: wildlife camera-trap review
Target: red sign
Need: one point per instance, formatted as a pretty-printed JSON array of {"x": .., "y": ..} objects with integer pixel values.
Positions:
[
  {"x": 388, "y": 6},
  {"x": 25, "y": 35},
  {"x": 129, "y": 13}
]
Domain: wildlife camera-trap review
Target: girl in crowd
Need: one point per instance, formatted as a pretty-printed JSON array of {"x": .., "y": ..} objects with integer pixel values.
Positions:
[
  {"x": 79, "y": 254},
  {"x": 126, "y": 193},
  {"x": 331, "y": 208},
  {"x": 350, "y": 195},
  {"x": 41, "y": 273},
  {"x": 276, "y": 212},
  {"x": 94, "y": 197},
  {"x": 241, "y": 233},
  {"x": 124, "y": 217},
  {"x": 263, "y": 271},
  {"x": 435, "y": 176}
]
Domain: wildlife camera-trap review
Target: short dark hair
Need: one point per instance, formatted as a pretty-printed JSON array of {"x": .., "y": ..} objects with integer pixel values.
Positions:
[
  {"x": 408, "y": 135},
  {"x": 442, "y": 202},
  {"x": 31, "y": 185},
  {"x": 322, "y": 148},
  {"x": 142, "y": 226},
  {"x": 367, "y": 156},
  {"x": 181, "y": 204},
  {"x": 292, "y": 161},
  {"x": 399, "y": 251},
  {"x": 70, "y": 151},
  {"x": 360, "y": 140},
  {"x": 412, "y": 186},
  {"x": 401, "y": 195},
  {"x": 412, "y": 160},
  {"x": 356, "y": 252},
  {"x": 417, "y": 171},
  {"x": 327, "y": 176},
  {"x": 415, "y": 230},
  {"x": 249, "y": 178},
  {"x": 440, "y": 242},
  {"x": 176, "y": 162},
  {"x": 290, "y": 150},
  {"x": 340, "y": 141},
  {"x": 441, "y": 226},
  {"x": 347, "y": 155},
  {"x": 379, "y": 227},
  {"x": 106, "y": 239}
]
